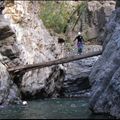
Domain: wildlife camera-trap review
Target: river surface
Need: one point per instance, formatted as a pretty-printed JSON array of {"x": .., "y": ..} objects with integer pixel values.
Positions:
[{"x": 63, "y": 108}]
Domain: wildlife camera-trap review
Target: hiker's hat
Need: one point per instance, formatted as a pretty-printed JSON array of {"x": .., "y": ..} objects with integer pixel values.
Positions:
[{"x": 79, "y": 33}]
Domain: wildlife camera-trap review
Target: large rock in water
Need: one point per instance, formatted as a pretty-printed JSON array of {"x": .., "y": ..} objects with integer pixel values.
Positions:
[
  {"x": 105, "y": 75},
  {"x": 35, "y": 45},
  {"x": 76, "y": 83},
  {"x": 9, "y": 93}
]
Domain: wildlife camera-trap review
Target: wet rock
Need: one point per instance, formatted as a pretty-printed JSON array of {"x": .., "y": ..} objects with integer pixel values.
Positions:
[{"x": 105, "y": 75}]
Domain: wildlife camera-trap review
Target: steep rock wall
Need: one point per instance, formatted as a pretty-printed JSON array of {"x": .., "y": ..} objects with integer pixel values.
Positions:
[
  {"x": 9, "y": 93},
  {"x": 35, "y": 45},
  {"x": 105, "y": 75},
  {"x": 92, "y": 20}
]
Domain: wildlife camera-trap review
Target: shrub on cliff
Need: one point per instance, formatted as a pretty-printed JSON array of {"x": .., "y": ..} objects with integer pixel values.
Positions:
[{"x": 54, "y": 15}]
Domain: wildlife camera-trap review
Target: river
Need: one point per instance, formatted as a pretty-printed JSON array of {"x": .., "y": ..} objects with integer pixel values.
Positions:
[{"x": 60, "y": 108}]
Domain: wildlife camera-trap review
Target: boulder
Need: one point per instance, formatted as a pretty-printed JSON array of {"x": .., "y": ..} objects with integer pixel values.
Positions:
[
  {"x": 76, "y": 83},
  {"x": 35, "y": 45},
  {"x": 8, "y": 47},
  {"x": 5, "y": 30},
  {"x": 9, "y": 93}
]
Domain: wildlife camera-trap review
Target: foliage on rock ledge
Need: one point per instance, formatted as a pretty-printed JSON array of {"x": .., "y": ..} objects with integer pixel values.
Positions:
[
  {"x": 57, "y": 15},
  {"x": 54, "y": 15}
]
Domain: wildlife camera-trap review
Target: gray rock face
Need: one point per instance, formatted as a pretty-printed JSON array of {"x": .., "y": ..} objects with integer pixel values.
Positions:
[
  {"x": 76, "y": 83},
  {"x": 35, "y": 45},
  {"x": 5, "y": 30},
  {"x": 93, "y": 20},
  {"x": 76, "y": 79},
  {"x": 1, "y": 6},
  {"x": 8, "y": 47},
  {"x": 99, "y": 12},
  {"x": 105, "y": 75},
  {"x": 9, "y": 93}
]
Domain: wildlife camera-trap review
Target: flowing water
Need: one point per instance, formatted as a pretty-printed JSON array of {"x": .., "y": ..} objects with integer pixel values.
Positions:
[{"x": 63, "y": 108}]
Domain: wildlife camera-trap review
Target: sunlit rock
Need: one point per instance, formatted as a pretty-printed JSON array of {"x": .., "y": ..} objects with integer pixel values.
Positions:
[{"x": 35, "y": 45}]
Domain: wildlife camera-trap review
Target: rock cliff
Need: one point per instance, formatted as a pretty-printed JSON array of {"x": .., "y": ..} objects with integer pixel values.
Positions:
[
  {"x": 105, "y": 75},
  {"x": 9, "y": 93},
  {"x": 33, "y": 44},
  {"x": 93, "y": 18}
]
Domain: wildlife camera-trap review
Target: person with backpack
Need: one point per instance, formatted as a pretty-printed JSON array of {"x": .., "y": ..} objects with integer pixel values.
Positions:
[{"x": 80, "y": 42}]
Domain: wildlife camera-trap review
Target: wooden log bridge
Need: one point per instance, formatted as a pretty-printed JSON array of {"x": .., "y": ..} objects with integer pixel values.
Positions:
[{"x": 54, "y": 62}]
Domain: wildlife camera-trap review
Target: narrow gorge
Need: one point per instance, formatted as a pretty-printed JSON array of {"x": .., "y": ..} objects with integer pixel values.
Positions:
[{"x": 41, "y": 31}]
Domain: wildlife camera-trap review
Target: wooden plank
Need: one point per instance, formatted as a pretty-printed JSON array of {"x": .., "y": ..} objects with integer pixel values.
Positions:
[{"x": 54, "y": 62}]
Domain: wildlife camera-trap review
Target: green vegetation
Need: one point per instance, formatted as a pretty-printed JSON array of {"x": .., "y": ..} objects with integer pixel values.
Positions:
[
  {"x": 60, "y": 18},
  {"x": 83, "y": 6},
  {"x": 76, "y": 15},
  {"x": 54, "y": 15}
]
